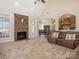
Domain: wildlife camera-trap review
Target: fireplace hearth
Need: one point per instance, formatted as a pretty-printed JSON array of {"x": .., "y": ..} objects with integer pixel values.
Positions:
[{"x": 21, "y": 35}]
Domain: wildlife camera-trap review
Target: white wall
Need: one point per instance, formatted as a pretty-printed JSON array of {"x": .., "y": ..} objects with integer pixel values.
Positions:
[{"x": 56, "y": 8}]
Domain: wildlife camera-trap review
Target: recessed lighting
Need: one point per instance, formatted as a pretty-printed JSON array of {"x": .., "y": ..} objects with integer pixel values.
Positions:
[{"x": 16, "y": 3}]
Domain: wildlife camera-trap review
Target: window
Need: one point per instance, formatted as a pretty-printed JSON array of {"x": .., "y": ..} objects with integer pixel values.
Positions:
[{"x": 4, "y": 27}]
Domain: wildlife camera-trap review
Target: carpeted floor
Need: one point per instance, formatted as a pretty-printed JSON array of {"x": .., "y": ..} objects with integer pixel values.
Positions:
[{"x": 33, "y": 49}]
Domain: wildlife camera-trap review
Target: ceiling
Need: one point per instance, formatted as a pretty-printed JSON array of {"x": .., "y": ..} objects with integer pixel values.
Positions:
[{"x": 22, "y": 6}]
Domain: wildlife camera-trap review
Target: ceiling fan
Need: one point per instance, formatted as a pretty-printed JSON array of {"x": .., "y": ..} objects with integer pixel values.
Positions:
[{"x": 43, "y": 1}]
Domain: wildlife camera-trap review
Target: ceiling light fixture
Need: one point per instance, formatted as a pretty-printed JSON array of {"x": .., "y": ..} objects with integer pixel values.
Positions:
[
  {"x": 43, "y": 1},
  {"x": 16, "y": 3}
]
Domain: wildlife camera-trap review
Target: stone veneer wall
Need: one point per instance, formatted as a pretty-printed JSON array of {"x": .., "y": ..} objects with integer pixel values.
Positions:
[{"x": 20, "y": 24}]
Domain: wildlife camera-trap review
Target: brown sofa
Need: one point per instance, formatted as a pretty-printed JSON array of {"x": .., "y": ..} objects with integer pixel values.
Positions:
[{"x": 62, "y": 39}]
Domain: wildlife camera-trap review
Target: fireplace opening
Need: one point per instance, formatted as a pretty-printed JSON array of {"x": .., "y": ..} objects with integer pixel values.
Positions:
[{"x": 21, "y": 35}]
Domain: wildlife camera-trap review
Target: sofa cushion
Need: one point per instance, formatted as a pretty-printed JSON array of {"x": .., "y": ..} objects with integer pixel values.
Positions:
[
  {"x": 62, "y": 35},
  {"x": 67, "y": 36},
  {"x": 70, "y": 36},
  {"x": 55, "y": 34}
]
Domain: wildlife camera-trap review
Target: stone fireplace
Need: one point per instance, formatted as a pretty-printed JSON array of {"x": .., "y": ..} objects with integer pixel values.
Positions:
[{"x": 20, "y": 27}]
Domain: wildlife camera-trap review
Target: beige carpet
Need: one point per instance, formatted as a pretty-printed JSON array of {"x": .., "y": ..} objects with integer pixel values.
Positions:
[{"x": 33, "y": 49}]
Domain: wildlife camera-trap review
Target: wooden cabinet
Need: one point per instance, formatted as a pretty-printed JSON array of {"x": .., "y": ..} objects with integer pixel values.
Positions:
[{"x": 67, "y": 22}]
